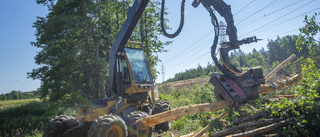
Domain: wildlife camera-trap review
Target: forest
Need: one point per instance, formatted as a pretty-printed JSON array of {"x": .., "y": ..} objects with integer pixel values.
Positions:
[
  {"x": 14, "y": 95},
  {"x": 75, "y": 39}
]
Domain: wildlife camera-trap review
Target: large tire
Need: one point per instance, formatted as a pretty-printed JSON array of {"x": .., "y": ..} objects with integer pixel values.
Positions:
[
  {"x": 146, "y": 107},
  {"x": 160, "y": 107},
  {"x": 132, "y": 124},
  {"x": 108, "y": 126},
  {"x": 57, "y": 126}
]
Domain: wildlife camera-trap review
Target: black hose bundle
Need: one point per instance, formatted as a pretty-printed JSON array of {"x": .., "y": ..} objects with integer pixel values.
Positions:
[{"x": 181, "y": 20}]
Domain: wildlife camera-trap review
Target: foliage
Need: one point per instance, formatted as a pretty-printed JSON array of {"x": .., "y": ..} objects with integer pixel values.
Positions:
[
  {"x": 189, "y": 95},
  {"x": 13, "y": 95},
  {"x": 306, "y": 37},
  {"x": 194, "y": 73},
  {"x": 303, "y": 111},
  {"x": 75, "y": 39}
]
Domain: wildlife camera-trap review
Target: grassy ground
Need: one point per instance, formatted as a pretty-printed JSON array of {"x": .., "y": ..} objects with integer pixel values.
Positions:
[
  {"x": 27, "y": 117},
  {"x": 14, "y": 103}
]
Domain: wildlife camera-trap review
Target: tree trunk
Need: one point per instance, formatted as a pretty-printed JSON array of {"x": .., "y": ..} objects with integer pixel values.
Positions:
[{"x": 97, "y": 55}]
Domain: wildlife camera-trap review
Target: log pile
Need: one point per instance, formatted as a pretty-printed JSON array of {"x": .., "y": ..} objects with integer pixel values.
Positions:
[
  {"x": 253, "y": 128},
  {"x": 207, "y": 107}
]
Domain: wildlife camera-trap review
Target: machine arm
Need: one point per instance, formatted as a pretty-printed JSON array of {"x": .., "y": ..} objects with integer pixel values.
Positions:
[
  {"x": 134, "y": 14},
  {"x": 225, "y": 11},
  {"x": 235, "y": 87}
]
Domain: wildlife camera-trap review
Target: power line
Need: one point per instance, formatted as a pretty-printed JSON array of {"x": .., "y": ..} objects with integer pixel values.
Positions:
[
  {"x": 282, "y": 22},
  {"x": 174, "y": 57},
  {"x": 277, "y": 18},
  {"x": 191, "y": 60},
  {"x": 205, "y": 43},
  {"x": 281, "y": 33},
  {"x": 245, "y": 18},
  {"x": 259, "y": 18},
  {"x": 285, "y": 21},
  {"x": 190, "y": 57},
  {"x": 243, "y": 8}
]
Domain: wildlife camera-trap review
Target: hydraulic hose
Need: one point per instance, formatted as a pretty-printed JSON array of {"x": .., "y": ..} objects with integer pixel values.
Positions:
[
  {"x": 181, "y": 20},
  {"x": 215, "y": 24}
]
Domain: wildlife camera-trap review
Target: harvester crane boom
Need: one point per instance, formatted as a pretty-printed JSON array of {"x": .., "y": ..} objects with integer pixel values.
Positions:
[
  {"x": 134, "y": 14},
  {"x": 234, "y": 86},
  {"x": 243, "y": 91}
]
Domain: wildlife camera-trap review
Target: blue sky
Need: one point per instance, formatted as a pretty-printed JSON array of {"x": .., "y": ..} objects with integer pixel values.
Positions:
[
  {"x": 188, "y": 50},
  {"x": 16, "y": 53}
]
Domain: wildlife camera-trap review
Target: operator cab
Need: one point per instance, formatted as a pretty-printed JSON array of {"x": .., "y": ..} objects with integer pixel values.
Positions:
[{"x": 134, "y": 75}]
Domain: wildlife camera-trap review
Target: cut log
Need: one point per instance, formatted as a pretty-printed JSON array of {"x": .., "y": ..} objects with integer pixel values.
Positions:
[
  {"x": 275, "y": 70},
  {"x": 261, "y": 130},
  {"x": 286, "y": 96},
  {"x": 206, "y": 107},
  {"x": 179, "y": 112},
  {"x": 265, "y": 88},
  {"x": 252, "y": 107},
  {"x": 246, "y": 126}
]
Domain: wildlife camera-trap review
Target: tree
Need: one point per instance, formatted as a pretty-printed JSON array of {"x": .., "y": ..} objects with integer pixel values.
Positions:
[
  {"x": 3, "y": 97},
  {"x": 75, "y": 39},
  {"x": 274, "y": 50},
  {"x": 305, "y": 106},
  {"x": 14, "y": 94},
  {"x": 200, "y": 71},
  {"x": 308, "y": 32}
]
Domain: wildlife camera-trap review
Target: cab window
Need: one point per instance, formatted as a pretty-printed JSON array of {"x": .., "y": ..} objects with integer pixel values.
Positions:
[{"x": 139, "y": 66}]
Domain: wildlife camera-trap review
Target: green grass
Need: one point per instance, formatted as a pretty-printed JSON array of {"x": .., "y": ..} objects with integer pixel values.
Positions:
[
  {"x": 28, "y": 117},
  {"x": 15, "y": 103}
]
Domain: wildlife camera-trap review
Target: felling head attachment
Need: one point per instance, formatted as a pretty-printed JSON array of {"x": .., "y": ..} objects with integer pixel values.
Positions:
[
  {"x": 238, "y": 91},
  {"x": 234, "y": 86}
]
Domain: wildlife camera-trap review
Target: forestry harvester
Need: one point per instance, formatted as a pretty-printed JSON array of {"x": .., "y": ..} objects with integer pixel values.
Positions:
[{"x": 133, "y": 93}]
